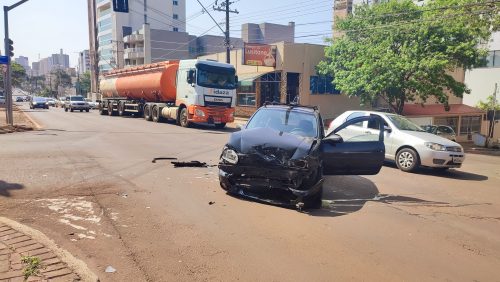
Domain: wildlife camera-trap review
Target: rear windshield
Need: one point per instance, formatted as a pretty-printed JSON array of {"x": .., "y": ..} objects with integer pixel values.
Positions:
[
  {"x": 76, "y": 98},
  {"x": 39, "y": 99}
]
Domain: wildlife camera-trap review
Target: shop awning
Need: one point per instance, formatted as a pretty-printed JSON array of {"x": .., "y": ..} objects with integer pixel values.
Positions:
[
  {"x": 418, "y": 110},
  {"x": 246, "y": 79}
]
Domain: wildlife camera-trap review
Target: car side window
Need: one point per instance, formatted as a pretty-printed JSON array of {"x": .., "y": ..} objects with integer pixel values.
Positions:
[
  {"x": 444, "y": 129},
  {"x": 375, "y": 123},
  {"x": 355, "y": 115}
]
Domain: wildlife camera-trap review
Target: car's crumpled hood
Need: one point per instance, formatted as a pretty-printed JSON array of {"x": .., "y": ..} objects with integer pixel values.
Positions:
[
  {"x": 429, "y": 137},
  {"x": 271, "y": 144}
]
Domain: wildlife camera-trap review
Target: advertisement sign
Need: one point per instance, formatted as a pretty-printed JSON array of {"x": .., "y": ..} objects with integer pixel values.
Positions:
[{"x": 259, "y": 55}]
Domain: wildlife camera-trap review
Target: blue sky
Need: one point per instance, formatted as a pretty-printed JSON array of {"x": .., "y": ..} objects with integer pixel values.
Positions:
[{"x": 42, "y": 27}]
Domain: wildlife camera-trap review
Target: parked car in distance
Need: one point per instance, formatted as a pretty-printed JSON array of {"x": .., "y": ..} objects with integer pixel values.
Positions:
[
  {"x": 73, "y": 103},
  {"x": 51, "y": 102},
  {"x": 19, "y": 99},
  {"x": 283, "y": 150},
  {"x": 406, "y": 143},
  {"x": 39, "y": 102},
  {"x": 2, "y": 100},
  {"x": 92, "y": 104},
  {"x": 441, "y": 130}
]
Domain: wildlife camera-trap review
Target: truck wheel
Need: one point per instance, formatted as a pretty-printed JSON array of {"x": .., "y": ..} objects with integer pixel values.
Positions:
[
  {"x": 102, "y": 111},
  {"x": 87, "y": 110},
  {"x": 110, "y": 109},
  {"x": 220, "y": 125},
  {"x": 65, "y": 109},
  {"x": 121, "y": 109},
  {"x": 183, "y": 118},
  {"x": 155, "y": 113},
  {"x": 147, "y": 112},
  {"x": 71, "y": 109}
]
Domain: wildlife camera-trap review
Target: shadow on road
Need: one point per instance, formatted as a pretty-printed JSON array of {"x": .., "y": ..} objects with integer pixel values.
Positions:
[
  {"x": 451, "y": 173},
  {"x": 5, "y": 188},
  {"x": 343, "y": 195}
]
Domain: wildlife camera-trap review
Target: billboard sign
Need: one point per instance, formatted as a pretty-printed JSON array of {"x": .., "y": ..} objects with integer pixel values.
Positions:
[{"x": 259, "y": 55}]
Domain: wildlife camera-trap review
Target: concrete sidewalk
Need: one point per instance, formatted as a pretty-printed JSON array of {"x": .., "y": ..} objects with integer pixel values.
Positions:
[{"x": 17, "y": 241}]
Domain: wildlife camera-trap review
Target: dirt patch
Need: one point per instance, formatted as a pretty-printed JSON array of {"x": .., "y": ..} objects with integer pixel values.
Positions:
[{"x": 21, "y": 121}]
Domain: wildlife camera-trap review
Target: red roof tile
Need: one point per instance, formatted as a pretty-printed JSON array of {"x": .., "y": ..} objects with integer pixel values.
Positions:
[{"x": 438, "y": 110}]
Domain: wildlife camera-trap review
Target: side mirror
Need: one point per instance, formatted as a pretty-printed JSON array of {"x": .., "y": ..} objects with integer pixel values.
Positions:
[
  {"x": 236, "y": 80},
  {"x": 191, "y": 76},
  {"x": 333, "y": 138},
  {"x": 387, "y": 129}
]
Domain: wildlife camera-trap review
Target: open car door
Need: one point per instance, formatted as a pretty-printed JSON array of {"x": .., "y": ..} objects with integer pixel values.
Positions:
[{"x": 361, "y": 155}]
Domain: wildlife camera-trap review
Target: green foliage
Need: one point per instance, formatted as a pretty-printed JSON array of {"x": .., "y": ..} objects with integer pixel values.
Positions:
[
  {"x": 398, "y": 52},
  {"x": 489, "y": 104},
  {"x": 32, "y": 266},
  {"x": 85, "y": 82}
]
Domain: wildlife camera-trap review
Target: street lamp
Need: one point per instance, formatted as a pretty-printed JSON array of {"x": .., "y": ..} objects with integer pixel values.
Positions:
[{"x": 8, "y": 48}]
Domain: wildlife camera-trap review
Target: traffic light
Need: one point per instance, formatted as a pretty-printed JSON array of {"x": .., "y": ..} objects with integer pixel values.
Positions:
[{"x": 10, "y": 50}]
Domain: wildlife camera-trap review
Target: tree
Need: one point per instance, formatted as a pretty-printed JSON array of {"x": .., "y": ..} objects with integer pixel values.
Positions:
[
  {"x": 18, "y": 75},
  {"x": 85, "y": 82},
  {"x": 398, "y": 51},
  {"x": 490, "y": 104}
]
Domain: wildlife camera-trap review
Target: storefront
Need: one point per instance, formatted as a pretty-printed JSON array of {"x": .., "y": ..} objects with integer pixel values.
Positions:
[{"x": 286, "y": 74}]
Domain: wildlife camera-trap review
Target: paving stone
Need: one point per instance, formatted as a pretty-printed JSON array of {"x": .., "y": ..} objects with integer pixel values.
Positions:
[
  {"x": 11, "y": 274},
  {"x": 5, "y": 251},
  {"x": 4, "y": 228},
  {"x": 17, "y": 239},
  {"x": 16, "y": 266},
  {"x": 4, "y": 265},
  {"x": 53, "y": 267},
  {"x": 3, "y": 246},
  {"x": 23, "y": 244},
  {"x": 47, "y": 256},
  {"x": 66, "y": 278},
  {"x": 29, "y": 248},
  {"x": 51, "y": 261},
  {"x": 15, "y": 258},
  {"x": 8, "y": 232},
  {"x": 4, "y": 257},
  {"x": 57, "y": 273},
  {"x": 36, "y": 252}
]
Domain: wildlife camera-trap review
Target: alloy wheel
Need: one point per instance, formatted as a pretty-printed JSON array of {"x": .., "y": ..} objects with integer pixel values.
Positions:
[{"x": 406, "y": 160}]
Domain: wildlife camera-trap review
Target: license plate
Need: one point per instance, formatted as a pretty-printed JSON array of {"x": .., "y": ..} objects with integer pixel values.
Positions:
[
  {"x": 217, "y": 120},
  {"x": 458, "y": 160}
]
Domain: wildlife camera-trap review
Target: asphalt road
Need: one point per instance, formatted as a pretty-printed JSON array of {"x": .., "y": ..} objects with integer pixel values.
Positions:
[{"x": 88, "y": 182}]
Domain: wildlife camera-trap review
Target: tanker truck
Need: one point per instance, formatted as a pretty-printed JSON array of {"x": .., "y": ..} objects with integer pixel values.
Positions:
[{"x": 186, "y": 91}]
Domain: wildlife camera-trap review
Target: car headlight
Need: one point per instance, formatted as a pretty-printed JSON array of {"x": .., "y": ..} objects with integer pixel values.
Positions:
[
  {"x": 435, "y": 146},
  {"x": 199, "y": 113},
  {"x": 230, "y": 156}
]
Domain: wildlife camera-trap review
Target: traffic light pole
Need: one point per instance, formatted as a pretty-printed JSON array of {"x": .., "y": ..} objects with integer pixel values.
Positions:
[{"x": 8, "y": 73}]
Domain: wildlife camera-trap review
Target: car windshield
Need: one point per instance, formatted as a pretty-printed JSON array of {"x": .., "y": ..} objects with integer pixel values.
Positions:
[
  {"x": 76, "y": 98},
  {"x": 282, "y": 120},
  {"x": 404, "y": 124},
  {"x": 215, "y": 78},
  {"x": 429, "y": 128},
  {"x": 39, "y": 99}
]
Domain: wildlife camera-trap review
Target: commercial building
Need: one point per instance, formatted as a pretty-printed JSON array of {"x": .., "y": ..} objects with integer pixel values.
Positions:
[
  {"x": 35, "y": 69},
  {"x": 60, "y": 60},
  {"x": 24, "y": 62},
  {"x": 266, "y": 33},
  {"x": 83, "y": 61},
  {"x": 284, "y": 72},
  {"x": 112, "y": 26}
]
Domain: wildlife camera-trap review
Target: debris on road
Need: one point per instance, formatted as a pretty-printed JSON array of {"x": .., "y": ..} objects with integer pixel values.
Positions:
[
  {"x": 162, "y": 158},
  {"x": 110, "y": 269},
  {"x": 189, "y": 164},
  {"x": 124, "y": 195},
  {"x": 211, "y": 203}
]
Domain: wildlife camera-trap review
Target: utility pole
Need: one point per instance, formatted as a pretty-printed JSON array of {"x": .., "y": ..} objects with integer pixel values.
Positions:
[
  {"x": 8, "y": 73},
  {"x": 145, "y": 12},
  {"x": 225, "y": 7}
]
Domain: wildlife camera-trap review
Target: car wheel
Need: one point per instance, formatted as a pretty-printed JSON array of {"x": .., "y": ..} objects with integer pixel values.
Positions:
[
  {"x": 220, "y": 125},
  {"x": 71, "y": 110},
  {"x": 81, "y": 111},
  {"x": 407, "y": 160},
  {"x": 65, "y": 109},
  {"x": 314, "y": 201},
  {"x": 183, "y": 118},
  {"x": 87, "y": 110}
]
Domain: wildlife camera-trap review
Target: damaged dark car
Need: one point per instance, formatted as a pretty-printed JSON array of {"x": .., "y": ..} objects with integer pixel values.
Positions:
[{"x": 282, "y": 154}]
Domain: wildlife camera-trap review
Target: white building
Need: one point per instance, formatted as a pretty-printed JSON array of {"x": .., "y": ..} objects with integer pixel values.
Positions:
[
  {"x": 112, "y": 26},
  {"x": 83, "y": 61}
]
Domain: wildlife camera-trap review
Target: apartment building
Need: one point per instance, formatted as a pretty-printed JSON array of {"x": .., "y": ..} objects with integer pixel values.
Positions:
[
  {"x": 83, "y": 61},
  {"x": 266, "y": 33}
]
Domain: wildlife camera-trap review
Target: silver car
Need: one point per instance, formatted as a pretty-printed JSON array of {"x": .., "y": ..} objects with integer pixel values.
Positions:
[{"x": 406, "y": 143}]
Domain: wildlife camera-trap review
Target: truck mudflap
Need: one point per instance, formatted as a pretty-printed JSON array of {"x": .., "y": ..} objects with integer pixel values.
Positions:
[{"x": 210, "y": 115}]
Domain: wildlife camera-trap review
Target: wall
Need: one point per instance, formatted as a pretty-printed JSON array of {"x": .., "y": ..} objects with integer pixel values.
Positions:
[
  {"x": 481, "y": 81},
  {"x": 168, "y": 45}
]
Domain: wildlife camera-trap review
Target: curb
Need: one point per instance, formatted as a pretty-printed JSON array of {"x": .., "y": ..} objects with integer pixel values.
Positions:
[
  {"x": 78, "y": 266},
  {"x": 37, "y": 126}
]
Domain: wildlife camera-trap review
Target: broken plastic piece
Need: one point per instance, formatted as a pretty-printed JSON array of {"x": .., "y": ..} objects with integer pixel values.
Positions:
[
  {"x": 162, "y": 158},
  {"x": 110, "y": 269},
  {"x": 189, "y": 164},
  {"x": 211, "y": 203}
]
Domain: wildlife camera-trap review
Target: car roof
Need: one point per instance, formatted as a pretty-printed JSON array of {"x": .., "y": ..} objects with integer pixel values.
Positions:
[
  {"x": 371, "y": 112},
  {"x": 294, "y": 108}
]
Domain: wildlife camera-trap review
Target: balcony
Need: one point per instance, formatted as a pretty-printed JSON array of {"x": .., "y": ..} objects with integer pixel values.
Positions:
[
  {"x": 133, "y": 53},
  {"x": 133, "y": 38}
]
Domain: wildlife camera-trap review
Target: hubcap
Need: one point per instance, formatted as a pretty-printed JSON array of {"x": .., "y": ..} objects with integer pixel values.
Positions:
[{"x": 405, "y": 160}]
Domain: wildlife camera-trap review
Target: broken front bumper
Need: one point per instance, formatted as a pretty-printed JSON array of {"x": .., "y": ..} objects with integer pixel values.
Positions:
[{"x": 236, "y": 178}]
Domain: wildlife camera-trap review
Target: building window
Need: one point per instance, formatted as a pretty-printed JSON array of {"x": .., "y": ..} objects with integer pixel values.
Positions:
[
  {"x": 176, "y": 17},
  {"x": 246, "y": 93},
  {"x": 449, "y": 121},
  {"x": 493, "y": 59},
  {"x": 322, "y": 85},
  {"x": 176, "y": 3},
  {"x": 176, "y": 29},
  {"x": 470, "y": 125}
]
